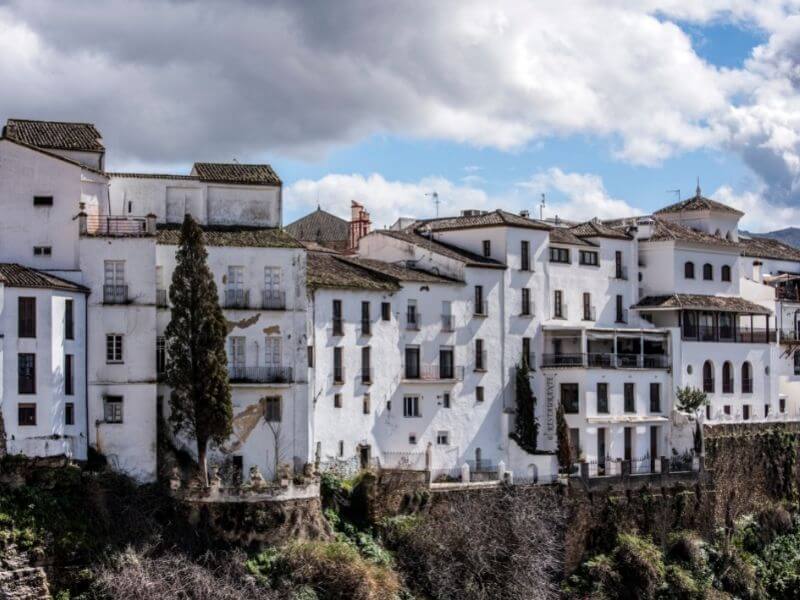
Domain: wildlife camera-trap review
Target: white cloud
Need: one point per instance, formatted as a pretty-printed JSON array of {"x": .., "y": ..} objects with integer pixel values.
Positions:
[
  {"x": 760, "y": 215},
  {"x": 580, "y": 196}
]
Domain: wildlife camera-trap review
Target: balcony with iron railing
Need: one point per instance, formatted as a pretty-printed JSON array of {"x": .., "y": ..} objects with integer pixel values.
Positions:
[
  {"x": 267, "y": 374},
  {"x": 273, "y": 299},
  {"x": 116, "y": 225},
  {"x": 432, "y": 373},
  {"x": 161, "y": 298},
  {"x": 448, "y": 323},
  {"x": 606, "y": 360},
  {"x": 115, "y": 294},
  {"x": 730, "y": 334},
  {"x": 413, "y": 319},
  {"x": 790, "y": 336},
  {"x": 237, "y": 298}
]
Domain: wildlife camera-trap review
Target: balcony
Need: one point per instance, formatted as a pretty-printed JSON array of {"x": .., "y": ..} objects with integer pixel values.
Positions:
[
  {"x": 607, "y": 360},
  {"x": 161, "y": 298},
  {"x": 115, "y": 294},
  {"x": 235, "y": 298},
  {"x": 433, "y": 373},
  {"x": 621, "y": 272},
  {"x": 448, "y": 323},
  {"x": 273, "y": 300},
  {"x": 412, "y": 321},
  {"x": 710, "y": 333},
  {"x": 260, "y": 374},
  {"x": 790, "y": 336},
  {"x": 116, "y": 226},
  {"x": 481, "y": 309}
]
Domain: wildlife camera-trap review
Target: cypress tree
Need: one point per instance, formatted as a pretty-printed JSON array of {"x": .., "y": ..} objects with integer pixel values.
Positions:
[
  {"x": 526, "y": 427},
  {"x": 197, "y": 366},
  {"x": 564, "y": 451}
]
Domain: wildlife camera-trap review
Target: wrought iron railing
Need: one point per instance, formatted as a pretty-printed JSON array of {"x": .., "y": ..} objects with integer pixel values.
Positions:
[
  {"x": 433, "y": 372},
  {"x": 269, "y": 374},
  {"x": 273, "y": 300},
  {"x": 115, "y": 294},
  {"x": 161, "y": 298},
  {"x": 236, "y": 298}
]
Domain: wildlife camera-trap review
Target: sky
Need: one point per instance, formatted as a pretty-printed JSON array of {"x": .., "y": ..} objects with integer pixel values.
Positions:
[{"x": 609, "y": 108}]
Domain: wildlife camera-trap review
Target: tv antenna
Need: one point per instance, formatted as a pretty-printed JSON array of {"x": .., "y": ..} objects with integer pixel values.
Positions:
[
  {"x": 541, "y": 208},
  {"x": 435, "y": 195},
  {"x": 677, "y": 192}
]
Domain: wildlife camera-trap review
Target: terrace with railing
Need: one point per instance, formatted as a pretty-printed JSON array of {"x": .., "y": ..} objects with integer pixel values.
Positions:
[
  {"x": 273, "y": 299},
  {"x": 432, "y": 373},
  {"x": 115, "y": 294},
  {"x": 606, "y": 360},
  {"x": 116, "y": 226},
  {"x": 237, "y": 298},
  {"x": 268, "y": 374}
]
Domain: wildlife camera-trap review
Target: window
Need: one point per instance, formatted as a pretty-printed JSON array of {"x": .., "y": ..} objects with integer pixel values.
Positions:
[
  {"x": 587, "y": 306},
  {"x": 341, "y": 448},
  {"x": 726, "y": 409},
  {"x": 386, "y": 311},
  {"x": 446, "y": 400},
  {"x": 708, "y": 272},
  {"x": 272, "y": 409},
  {"x": 618, "y": 270},
  {"x": 366, "y": 369},
  {"x": 26, "y": 317},
  {"x": 42, "y": 251},
  {"x": 487, "y": 248},
  {"x": 655, "y": 397},
  {"x": 525, "y": 255},
  {"x": 526, "y": 301},
  {"x": 569, "y": 398},
  {"x": 236, "y": 348},
  {"x": 69, "y": 319},
  {"x": 365, "y": 404},
  {"x": 411, "y": 406},
  {"x": 558, "y": 304},
  {"x": 442, "y": 438},
  {"x": 43, "y": 201},
  {"x": 338, "y": 367},
  {"x": 688, "y": 270},
  {"x": 629, "y": 397},
  {"x": 114, "y": 289},
  {"x": 337, "y": 317},
  {"x": 746, "y": 412},
  {"x": 559, "y": 255},
  {"x": 26, "y": 366},
  {"x": 708, "y": 377},
  {"x": 412, "y": 316},
  {"x": 726, "y": 273},
  {"x": 69, "y": 413},
  {"x": 161, "y": 355},
  {"x": 447, "y": 369},
  {"x": 588, "y": 257},
  {"x": 527, "y": 357},
  {"x": 628, "y": 435},
  {"x": 310, "y": 353},
  {"x": 480, "y": 358},
  {"x": 480, "y": 307},
  {"x": 112, "y": 409},
  {"x": 727, "y": 378},
  {"x": 337, "y": 400},
  {"x": 797, "y": 363},
  {"x": 621, "y": 317},
  {"x": 26, "y": 414},
  {"x": 69, "y": 375},
  {"x": 479, "y": 394},
  {"x": 747, "y": 378},
  {"x": 272, "y": 352},
  {"x": 782, "y": 405},
  {"x": 766, "y": 410},
  {"x": 602, "y": 397},
  {"x": 412, "y": 438},
  {"x": 412, "y": 362},
  {"x": 366, "y": 322}
]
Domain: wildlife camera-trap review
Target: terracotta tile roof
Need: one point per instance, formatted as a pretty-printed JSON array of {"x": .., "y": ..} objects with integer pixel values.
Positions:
[
  {"x": 153, "y": 176},
  {"x": 702, "y": 302},
  {"x": 759, "y": 247},
  {"x": 325, "y": 270},
  {"x": 399, "y": 272},
  {"x": 232, "y": 235},
  {"x": 495, "y": 218},
  {"x": 465, "y": 256},
  {"x": 236, "y": 173},
  {"x": 563, "y": 235},
  {"x": 698, "y": 202},
  {"x": 667, "y": 231},
  {"x": 595, "y": 228},
  {"x": 15, "y": 275},
  {"x": 320, "y": 226},
  {"x": 55, "y": 135}
]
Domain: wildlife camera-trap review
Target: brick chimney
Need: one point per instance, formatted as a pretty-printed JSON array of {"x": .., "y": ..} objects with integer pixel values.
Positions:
[{"x": 359, "y": 223}]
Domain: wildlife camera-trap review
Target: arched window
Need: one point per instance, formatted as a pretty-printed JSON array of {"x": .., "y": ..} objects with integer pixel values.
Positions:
[
  {"x": 747, "y": 378},
  {"x": 688, "y": 270},
  {"x": 708, "y": 377},
  {"x": 727, "y": 378},
  {"x": 708, "y": 272},
  {"x": 726, "y": 273}
]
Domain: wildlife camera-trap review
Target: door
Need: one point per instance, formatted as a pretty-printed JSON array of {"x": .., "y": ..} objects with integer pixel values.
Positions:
[
  {"x": 628, "y": 443},
  {"x": 364, "y": 454},
  {"x": 653, "y": 447},
  {"x": 272, "y": 345},
  {"x": 601, "y": 450}
]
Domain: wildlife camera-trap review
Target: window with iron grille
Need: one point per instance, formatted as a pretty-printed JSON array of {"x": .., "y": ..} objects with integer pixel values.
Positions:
[
  {"x": 446, "y": 400},
  {"x": 114, "y": 348},
  {"x": 411, "y": 406},
  {"x": 26, "y": 414},
  {"x": 26, "y": 317},
  {"x": 338, "y": 368},
  {"x": 479, "y": 308},
  {"x": 365, "y": 318},
  {"x": 688, "y": 270},
  {"x": 337, "y": 317},
  {"x": 69, "y": 413},
  {"x": 587, "y": 306},
  {"x": 26, "y": 365},
  {"x": 558, "y": 304},
  {"x": 272, "y": 409},
  {"x": 42, "y": 251},
  {"x": 161, "y": 355},
  {"x": 365, "y": 404},
  {"x": 337, "y": 401},
  {"x": 526, "y": 301},
  {"x": 620, "y": 310},
  {"x": 487, "y": 248},
  {"x": 527, "y": 359},
  {"x": 442, "y": 438},
  {"x": 726, "y": 273},
  {"x": 479, "y": 356},
  {"x": 708, "y": 272},
  {"x": 112, "y": 409}
]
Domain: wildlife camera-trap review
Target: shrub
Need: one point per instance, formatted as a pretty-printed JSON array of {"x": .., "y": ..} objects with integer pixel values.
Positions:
[
  {"x": 640, "y": 566},
  {"x": 680, "y": 585}
]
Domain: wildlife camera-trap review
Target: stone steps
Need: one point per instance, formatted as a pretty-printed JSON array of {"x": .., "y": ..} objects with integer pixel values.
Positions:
[{"x": 29, "y": 583}]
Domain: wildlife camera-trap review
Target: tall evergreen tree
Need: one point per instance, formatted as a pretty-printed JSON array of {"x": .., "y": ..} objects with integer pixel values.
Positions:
[
  {"x": 564, "y": 451},
  {"x": 197, "y": 367},
  {"x": 526, "y": 427}
]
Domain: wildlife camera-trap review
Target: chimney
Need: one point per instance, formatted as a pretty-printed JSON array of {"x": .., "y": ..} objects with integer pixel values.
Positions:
[
  {"x": 524, "y": 213},
  {"x": 757, "y": 271},
  {"x": 359, "y": 223}
]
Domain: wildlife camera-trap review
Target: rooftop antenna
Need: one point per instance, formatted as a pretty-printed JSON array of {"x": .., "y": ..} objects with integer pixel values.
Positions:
[
  {"x": 677, "y": 192},
  {"x": 435, "y": 195},
  {"x": 541, "y": 208}
]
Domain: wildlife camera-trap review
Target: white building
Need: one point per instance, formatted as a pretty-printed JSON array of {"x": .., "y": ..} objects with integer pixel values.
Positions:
[{"x": 403, "y": 352}]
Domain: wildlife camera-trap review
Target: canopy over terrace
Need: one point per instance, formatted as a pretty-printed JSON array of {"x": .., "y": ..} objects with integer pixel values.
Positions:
[{"x": 606, "y": 348}]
